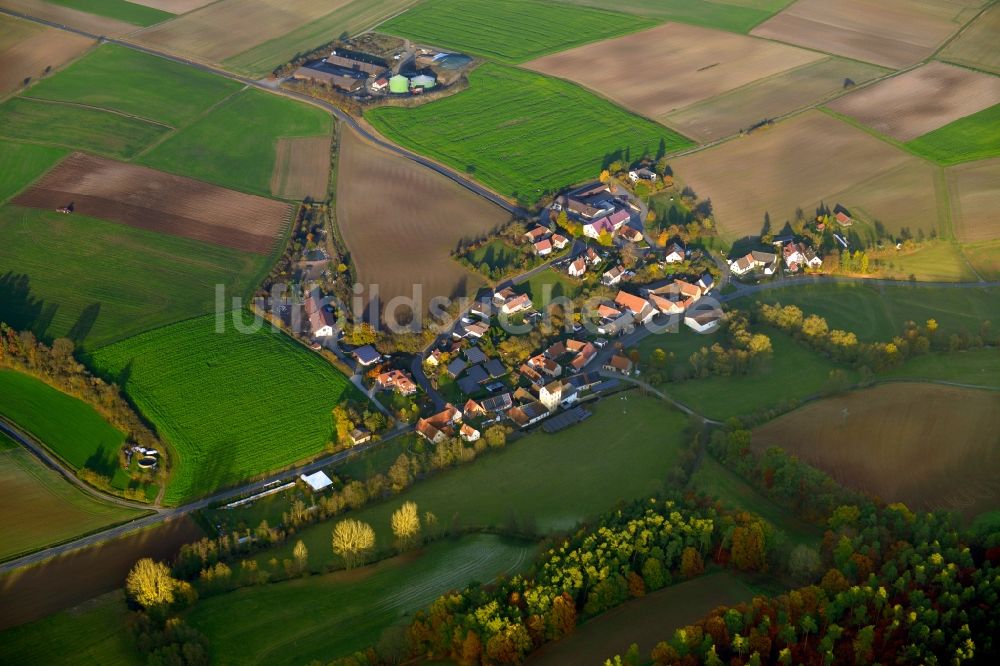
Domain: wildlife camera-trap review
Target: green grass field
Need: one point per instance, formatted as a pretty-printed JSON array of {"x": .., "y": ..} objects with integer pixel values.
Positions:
[
  {"x": 979, "y": 367},
  {"x": 22, "y": 164},
  {"x": 130, "y": 12},
  {"x": 234, "y": 144},
  {"x": 495, "y": 254},
  {"x": 316, "y": 611},
  {"x": 97, "y": 282},
  {"x": 39, "y": 508},
  {"x": 522, "y": 133},
  {"x": 877, "y": 313},
  {"x": 510, "y": 31},
  {"x": 984, "y": 257},
  {"x": 79, "y": 436},
  {"x": 544, "y": 483},
  {"x": 937, "y": 261},
  {"x": 352, "y": 18},
  {"x": 974, "y": 137},
  {"x": 793, "y": 372},
  {"x": 77, "y": 127},
  {"x": 93, "y": 633},
  {"x": 556, "y": 282},
  {"x": 233, "y": 405},
  {"x": 121, "y": 79},
  {"x": 714, "y": 480},
  {"x": 741, "y": 16}
]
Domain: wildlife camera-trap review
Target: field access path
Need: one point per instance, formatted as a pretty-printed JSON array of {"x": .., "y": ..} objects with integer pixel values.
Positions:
[{"x": 340, "y": 115}]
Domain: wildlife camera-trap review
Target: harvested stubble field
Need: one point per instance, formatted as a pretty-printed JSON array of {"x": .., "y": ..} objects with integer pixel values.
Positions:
[
  {"x": 893, "y": 33},
  {"x": 522, "y": 133},
  {"x": 975, "y": 200},
  {"x": 116, "y": 78},
  {"x": 65, "y": 15},
  {"x": 136, "y": 13},
  {"x": 97, "y": 282},
  {"x": 232, "y": 404},
  {"x": 941, "y": 441},
  {"x": 732, "y": 15},
  {"x": 22, "y": 163},
  {"x": 509, "y": 31},
  {"x": 27, "y": 49},
  {"x": 799, "y": 162},
  {"x": 352, "y": 18},
  {"x": 302, "y": 168},
  {"x": 235, "y": 144},
  {"x": 369, "y": 600},
  {"x": 974, "y": 137},
  {"x": 984, "y": 258},
  {"x": 977, "y": 45},
  {"x": 157, "y": 201},
  {"x": 682, "y": 65},
  {"x": 38, "y": 507},
  {"x": 400, "y": 221},
  {"x": 770, "y": 97},
  {"x": 920, "y": 100},
  {"x": 77, "y": 127},
  {"x": 173, "y": 6},
  {"x": 224, "y": 29}
]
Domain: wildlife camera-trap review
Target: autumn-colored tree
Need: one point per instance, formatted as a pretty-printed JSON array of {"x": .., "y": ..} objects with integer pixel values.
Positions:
[
  {"x": 151, "y": 584},
  {"x": 352, "y": 541},
  {"x": 406, "y": 524},
  {"x": 495, "y": 436},
  {"x": 400, "y": 473},
  {"x": 691, "y": 563},
  {"x": 343, "y": 423},
  {"x": 748, "y": 547},
  {"x": 562, "y": 617},
  {"x": 301, "y": 555},
  {"x": 636, "y": 586},
  {"x": 472, "y": 649}
]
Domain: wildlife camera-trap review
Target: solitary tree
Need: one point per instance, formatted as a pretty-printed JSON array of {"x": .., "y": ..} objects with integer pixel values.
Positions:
[
  {"x": 352, "y": 541},
  {"x": 150, "y": 583},
  {"x": 301, "y": 554},
  {"x": 406, "y": 524}
]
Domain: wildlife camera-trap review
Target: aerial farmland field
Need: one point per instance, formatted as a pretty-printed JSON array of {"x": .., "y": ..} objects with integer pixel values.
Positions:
[
  {"x": 160, "y": 202},
  {"x": 135, "y": 13},
  {"x": 976, "y": 47},
  {"x": 27, "y": 49},
  {"x": 920, "y": 100},
  {"x": 22, "y": 163},
  {"x": 524, "y": 134},
  {"x": 96, "y": 281},
  {"x": 235, "y": 144},
  {"x": 39, "y": 508},
  {"x": 393, "y": 251},
  {"x": 974, "y": 208},
  {"x": 263, "y": 400},
  {"x": 778, "y": 169},
  {"x": 857, "y": 436},
  {"x": 121, "y": 79},
  {"x": 682, "y": 65},
  {"x": 892, "y": 33},
  {"x": 509, "y": 31},
  {"x": 984, "y": 257},
  {"x": 974, "y": 137},
  {"x": 227, "y": 28},
  {"x": 352, "y": 18},
  {"x": 302, "y": 168},
  {"x": 733, "y": 15},
  {"x": 768, "y": 98},
  {"x": 66, "y": 15}
]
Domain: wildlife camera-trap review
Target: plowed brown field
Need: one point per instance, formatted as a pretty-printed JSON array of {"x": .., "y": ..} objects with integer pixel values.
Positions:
[
  {"x": 302, "y": 168},
  {"x": 975, "y": 203},
  {"x": 921, "y": 100},
  {"x": 671, "y": 66},
  {"x": 150, "y": 199},
  {"x": 401, "y": 220},
  {"x": 929, "y": 446},
  {"x": 977, "y": 45},
  {"x": 894, "y": 33},
  {"x": 27, "y": 48}
]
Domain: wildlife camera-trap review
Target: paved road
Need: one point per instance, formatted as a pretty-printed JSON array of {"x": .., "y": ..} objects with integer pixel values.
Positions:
[
  {"x": 49, "y": 460},
  {"x": 175, "y": 512},
  {"x": 350, "y": 121}
]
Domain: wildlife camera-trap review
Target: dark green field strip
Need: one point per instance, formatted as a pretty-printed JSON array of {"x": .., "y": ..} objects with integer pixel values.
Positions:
[
  {"x": 23, "y": 163},
  {"x": 130, "y": 12},
  {"x": 974, "y": 137}
]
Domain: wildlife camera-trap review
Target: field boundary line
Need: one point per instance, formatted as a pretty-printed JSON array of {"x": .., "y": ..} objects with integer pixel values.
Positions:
[
  {"x": 97, "y": 108},
  {"x": 958, "y": 33},
  {"x": 177, "y": 130}
]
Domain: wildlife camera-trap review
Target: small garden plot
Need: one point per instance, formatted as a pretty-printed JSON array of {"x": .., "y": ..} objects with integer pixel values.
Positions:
[
  {"x": 29, "y": 50},
  {"x": 940, "y": 440},
  {"x": 976, "y": 47},
  {"x": 509, "y": 31},
  {"x": 974, "y": 137},
  {"x": 682, "y": 64},
  {"x": 921, "y": 100},
  {"x": 233, "y": 405}
]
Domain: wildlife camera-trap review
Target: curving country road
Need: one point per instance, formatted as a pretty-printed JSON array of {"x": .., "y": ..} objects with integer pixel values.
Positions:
[{"x": 349, "y": 120}]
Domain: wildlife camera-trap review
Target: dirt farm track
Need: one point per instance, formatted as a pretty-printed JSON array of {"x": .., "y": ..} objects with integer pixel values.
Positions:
[{"x": 150, "y": 199}]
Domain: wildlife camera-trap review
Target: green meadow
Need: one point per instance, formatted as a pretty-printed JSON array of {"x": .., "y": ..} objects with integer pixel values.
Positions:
[
  {"x": 22, "y": 164},
  {"x": 741, "y": 16},
  {"x": 130, "y": 12},
  {"x": 974, "y": 137},
  {"x": 524, "y": 134}
]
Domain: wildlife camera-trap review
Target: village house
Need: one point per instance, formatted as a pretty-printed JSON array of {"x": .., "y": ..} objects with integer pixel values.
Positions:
[
  {"x": 754, "y": 260},
  {"x": 380, "y": 85},
  {"x": 321, "y": 320},
  {"x": 543, "y": 247},
  {"x": 608, "y": 223},
  {"x": 843, "y": 219},
  {"x": 577, "y": 267},
  {"x": 360, "y": 436},
  {"x": 703, "y": 321},
  {"x": 536, "y": 234},
  {"x": 559, "y": 241},
  {"x": 642, "y": 174},
  {"x": 397, "y": 380},
  {"x": 545, "y": 365},
  {"x": 468, "y": 433},
  {"x": 620, "y": 364},
  {"x": 531, "y": 375},
  {"x": 630, "y": 234},
  {"x": 675, "y": 253},
  {"x": 550, "y": 395},
  {"x": 798, "y": 255},
  {"x": 580, "y": 208},
  {"x": 456, "y": 367},
  {"x": 367, "y": 355},
  {"x": 591, "y": 257},
  {"x": 516, "y": 304},
  {"x": 705, "y": 283},
  {"x": 498, "y": 404},
  {"x": 637, "y": 306},
  {"x": 434, "y": 358},
  {"x": 473, "y": 331},
  {"x": 472, "y": 409},
  {"x": 475, "y": 355},
  {"x": 439, "y": 427},
  {"x": 528, "y": 414},
  {"x": 613, "y": 276},
  {"x": 583, "y": 357}
]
